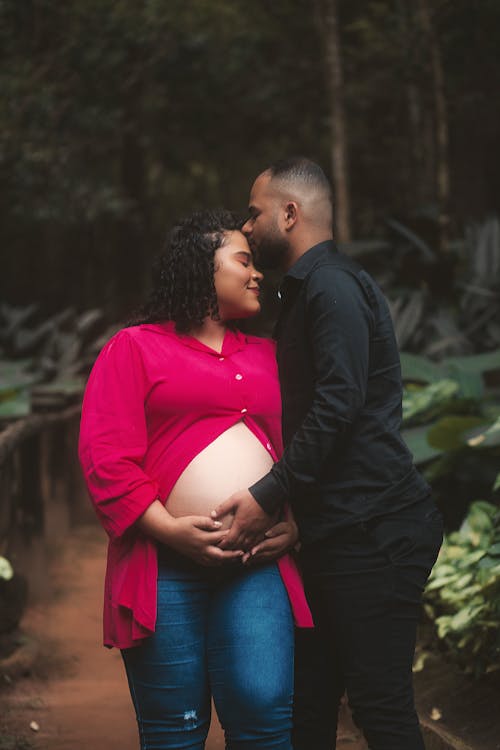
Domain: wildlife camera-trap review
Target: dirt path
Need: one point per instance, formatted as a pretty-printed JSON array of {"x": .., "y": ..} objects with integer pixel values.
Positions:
[{"x": 76, "y": 692}]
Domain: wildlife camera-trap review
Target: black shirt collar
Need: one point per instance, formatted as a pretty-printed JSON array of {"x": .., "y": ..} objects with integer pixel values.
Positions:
[{"x": 308, "y": 260}]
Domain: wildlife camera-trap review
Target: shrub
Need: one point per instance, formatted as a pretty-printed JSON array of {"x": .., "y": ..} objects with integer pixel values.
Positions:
[{"x": 463, "y": 593}]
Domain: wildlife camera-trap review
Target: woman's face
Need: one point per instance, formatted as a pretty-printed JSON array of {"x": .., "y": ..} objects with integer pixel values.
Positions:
[{"x": 236, "y": 278}]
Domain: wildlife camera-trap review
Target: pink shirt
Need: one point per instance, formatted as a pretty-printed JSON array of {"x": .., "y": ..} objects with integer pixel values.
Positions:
[{"x": 153, "y": 401}]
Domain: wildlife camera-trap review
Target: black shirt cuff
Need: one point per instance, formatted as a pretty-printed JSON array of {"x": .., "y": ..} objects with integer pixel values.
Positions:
[{"x": 268, "y": 493}]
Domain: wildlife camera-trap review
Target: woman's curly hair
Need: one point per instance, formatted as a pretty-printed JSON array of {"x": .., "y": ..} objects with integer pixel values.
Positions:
[{"x": 183, "y": 275}]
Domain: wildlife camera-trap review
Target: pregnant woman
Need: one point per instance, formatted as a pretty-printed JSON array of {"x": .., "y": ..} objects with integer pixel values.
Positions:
[{"x": 180, "y": 411}]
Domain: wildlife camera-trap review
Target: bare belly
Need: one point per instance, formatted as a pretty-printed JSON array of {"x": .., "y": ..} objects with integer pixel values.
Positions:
[{"x": 233, "y": 461}]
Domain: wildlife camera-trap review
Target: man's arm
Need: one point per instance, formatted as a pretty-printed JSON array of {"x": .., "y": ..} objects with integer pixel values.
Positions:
[{"x": 339, "y": 319}]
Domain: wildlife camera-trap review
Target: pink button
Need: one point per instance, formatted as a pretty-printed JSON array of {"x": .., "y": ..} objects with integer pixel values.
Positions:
[
  {"x": 221, "y": 359},
  {"x": 268, "y": 446},
  {"x": 244, "y": 411},
  {"x": 238, "y": 376}
]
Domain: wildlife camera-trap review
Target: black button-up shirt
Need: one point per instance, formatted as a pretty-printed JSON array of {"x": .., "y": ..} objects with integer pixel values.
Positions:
[{"x": 344, "y": 460}]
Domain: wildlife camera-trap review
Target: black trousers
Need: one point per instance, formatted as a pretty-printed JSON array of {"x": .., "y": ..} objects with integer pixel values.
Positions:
[{"x": 365, "y": 589}]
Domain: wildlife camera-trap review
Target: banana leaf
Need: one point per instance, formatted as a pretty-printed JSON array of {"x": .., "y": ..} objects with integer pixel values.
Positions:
[
  {"x": 474, "y": 363},
  {"x": 486, "y": 438},
  {"x": 420, "y": 369},
  {"x": 449, "y": 433},
  {"x": 430, "y": 401},
  {"x": 416, "y": 440}
]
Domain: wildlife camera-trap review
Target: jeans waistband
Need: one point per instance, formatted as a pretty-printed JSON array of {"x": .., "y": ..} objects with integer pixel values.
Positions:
[{"x": 174, "y": 560}]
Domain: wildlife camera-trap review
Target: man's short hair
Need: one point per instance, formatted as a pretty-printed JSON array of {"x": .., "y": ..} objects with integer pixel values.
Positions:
[{"x": 299, "y": 169}]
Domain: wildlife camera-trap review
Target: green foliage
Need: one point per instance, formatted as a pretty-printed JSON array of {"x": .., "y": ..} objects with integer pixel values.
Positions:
[
  {"x": 454, "y": 410},
  {"x": 486, "y": 438},
  {"x": 425, "y": 403},
  {"x": 15, "y": 381},
  {"x": 450, "y": 420},
  {"x": 6, "y": 570},
  {"x": 449, "y": 433},
  {"x": 496, "y": 486},
  {"x": 463, "y": 593}
]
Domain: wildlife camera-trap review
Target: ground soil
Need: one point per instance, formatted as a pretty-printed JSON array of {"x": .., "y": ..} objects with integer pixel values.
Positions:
[
  {"x": 468, "y": 708},
  {"x": 75, "y": 690}
]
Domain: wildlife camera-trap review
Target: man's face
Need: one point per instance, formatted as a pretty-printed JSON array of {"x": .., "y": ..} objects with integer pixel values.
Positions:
[{"x": 265, "y": 235}]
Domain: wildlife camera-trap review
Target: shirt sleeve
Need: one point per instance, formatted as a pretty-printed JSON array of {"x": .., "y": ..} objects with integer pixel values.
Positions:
[
  {"x": 338, "y": 323},
  {"x": 113, "y": 436}
]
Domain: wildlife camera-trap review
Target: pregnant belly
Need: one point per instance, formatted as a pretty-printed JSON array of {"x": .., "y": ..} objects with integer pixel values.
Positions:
[{"x": 233, "y": 461}]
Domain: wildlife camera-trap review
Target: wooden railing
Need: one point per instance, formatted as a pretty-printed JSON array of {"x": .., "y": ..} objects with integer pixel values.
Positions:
[{"x": 42, "y": 494}]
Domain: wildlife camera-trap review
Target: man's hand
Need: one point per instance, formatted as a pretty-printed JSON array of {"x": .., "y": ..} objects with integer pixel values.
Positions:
[
  {"x": 249, "y": 524},
  {"x": 279, "y": 540},
  {"x": 199, "y": 538}
]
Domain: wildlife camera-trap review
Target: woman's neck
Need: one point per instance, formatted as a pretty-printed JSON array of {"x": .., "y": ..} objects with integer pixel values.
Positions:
[{"x": 211, "y": 333}]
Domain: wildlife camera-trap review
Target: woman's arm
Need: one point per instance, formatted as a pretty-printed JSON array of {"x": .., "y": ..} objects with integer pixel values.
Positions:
[{"x": 113, "y": 444}]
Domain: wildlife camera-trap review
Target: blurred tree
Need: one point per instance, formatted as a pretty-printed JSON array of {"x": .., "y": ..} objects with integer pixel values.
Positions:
[
  {"x": 327, "y": 21},
  {"x": 441, "y": 121},
  {"x": 116, "y": 117}
]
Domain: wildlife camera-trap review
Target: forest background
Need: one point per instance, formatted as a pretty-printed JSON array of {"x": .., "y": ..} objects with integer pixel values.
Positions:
[{"x": 119, "y": 116}]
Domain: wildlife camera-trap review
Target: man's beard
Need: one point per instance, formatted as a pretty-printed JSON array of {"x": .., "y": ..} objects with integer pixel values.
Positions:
[{"x": 272, "y": 250}]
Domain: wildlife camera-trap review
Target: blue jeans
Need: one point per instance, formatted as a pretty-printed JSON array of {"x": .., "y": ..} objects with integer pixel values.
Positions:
[{"x": 221, "y": 632}]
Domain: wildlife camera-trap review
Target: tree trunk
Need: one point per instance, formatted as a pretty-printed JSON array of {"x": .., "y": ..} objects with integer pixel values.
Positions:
[
  {"x": 421, "y": 187},
  {"x": 441, "y": 123},
  {"x": 327, "y": 21}
]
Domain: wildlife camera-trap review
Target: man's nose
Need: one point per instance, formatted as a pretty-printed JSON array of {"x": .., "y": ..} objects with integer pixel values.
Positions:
[{"x": 246, "y": 227}]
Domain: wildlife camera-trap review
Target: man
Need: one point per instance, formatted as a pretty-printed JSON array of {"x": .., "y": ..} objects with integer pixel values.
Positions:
[{"x": 369, "y": 530}]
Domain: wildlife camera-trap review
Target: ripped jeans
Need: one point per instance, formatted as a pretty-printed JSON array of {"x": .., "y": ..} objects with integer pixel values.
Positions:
[{"x": 221, "y": 632}]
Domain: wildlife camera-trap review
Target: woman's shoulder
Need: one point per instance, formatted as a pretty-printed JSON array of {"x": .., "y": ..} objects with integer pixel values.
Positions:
[
  {"x": 142, "y": 333},
  {"x": 136, "y": 338}
]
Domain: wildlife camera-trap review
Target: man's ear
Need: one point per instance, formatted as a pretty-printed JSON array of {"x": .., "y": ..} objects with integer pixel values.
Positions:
[{"x": 291, "y": 215}]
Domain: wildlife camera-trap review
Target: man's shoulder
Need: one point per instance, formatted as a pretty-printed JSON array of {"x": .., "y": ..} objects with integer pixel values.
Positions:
[
  {"x": 337, "y": 270},
  {"x": 339, "y": 260},
  {"x": 265, "y": 343},
  {"x": 341, "y": 267}
]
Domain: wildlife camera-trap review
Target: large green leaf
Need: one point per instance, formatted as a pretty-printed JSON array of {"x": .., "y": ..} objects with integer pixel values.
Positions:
[
  {"x": 416, "y": 368},
  {"x": 449, "y": 433},
  {"x": 471, "y": 383},
  {"x": 416, "y": 440},
  {"x": 474, "y": 363},
  {"x": 429, "y": 401},
  {"x": 486, "y": 437}
]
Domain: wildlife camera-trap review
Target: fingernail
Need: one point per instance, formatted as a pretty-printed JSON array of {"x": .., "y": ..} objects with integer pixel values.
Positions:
[
  {"x": 218, "y": 524},
  {"x": 213, "y": 513}
]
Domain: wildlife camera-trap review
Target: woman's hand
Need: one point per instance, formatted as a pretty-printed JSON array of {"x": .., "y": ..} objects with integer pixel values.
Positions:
[
  {"x": 198, "y": 537},
  {"x": 278, "y": 540}
]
